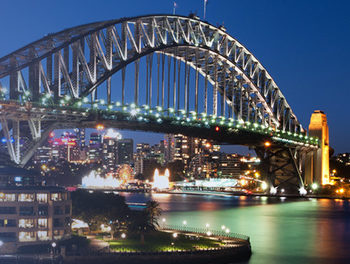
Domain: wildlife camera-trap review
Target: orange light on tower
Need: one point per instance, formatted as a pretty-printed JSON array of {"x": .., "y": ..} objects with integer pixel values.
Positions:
[
  {"x": 100, "y": 127},
  {"x": 267, "y": 144}
]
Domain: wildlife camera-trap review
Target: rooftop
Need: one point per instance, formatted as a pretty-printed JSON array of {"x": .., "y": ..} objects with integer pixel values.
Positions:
[{"x": 31, "y": 188}]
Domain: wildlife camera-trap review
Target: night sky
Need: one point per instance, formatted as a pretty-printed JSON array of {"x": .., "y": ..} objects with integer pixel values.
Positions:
[{"x": 304, "y": 45}]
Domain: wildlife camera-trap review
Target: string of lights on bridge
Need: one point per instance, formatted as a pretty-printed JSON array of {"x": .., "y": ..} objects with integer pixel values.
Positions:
[{"x": 145, "y": 113}]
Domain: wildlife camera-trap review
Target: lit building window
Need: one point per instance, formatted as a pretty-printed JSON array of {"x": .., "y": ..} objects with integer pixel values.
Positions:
[
  {"x": 7, "y": 197},
  {"x": 26, "y": 197},
  {"x": 26, "y": 236},
  {"x": 42, "y": 223},
  {"x": 58, "y": 234},
  {"x": 56, "y": 197},
  {"x": 26, "y": 223},
  {"x": 41, "y": 197},
  {"x": 42, "y": 235}
]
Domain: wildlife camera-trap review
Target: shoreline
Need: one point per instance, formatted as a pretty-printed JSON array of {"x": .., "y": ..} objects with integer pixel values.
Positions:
[
  {"x": 223, "y": 194},
  {"x": 237, "y": 248}
]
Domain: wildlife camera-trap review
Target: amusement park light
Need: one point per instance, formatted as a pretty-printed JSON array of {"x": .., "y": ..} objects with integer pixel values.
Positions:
[
  {"x": 184, "y": 222},
  {"x": 110, "y": 107},
  {"x": 102, "y": 101},
  {"x": 171, "y": 110},
  {"x": 163, "y": 220},
  {"x": 217, "y": 129},
  {"x": 132, "y": 105},
  {"x": 85, "y": 100},
  {"x": 314, "y": 186},
  {"x": 174, "y": 235},
  {"x": 95, "y": 105},
  {"x": 227, "y": 231},
  {"x": 208, "y": 233},
  {"x": 223, "y": 227},
  {"x": 123, "y": 235},
  {"x": 207, "y": 225},
  {"x": 117, "y": 104}
]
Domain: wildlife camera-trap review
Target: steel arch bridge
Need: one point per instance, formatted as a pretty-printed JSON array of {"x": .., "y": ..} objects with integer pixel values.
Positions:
[{"x": 187, "y": 76}]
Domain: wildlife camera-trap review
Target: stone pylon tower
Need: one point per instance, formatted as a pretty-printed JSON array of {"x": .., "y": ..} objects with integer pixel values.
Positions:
[{"x": 317, "y": 162}]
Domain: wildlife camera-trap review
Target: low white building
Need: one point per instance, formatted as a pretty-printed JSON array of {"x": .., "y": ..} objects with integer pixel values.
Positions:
[{"x": 31, "y": 215}]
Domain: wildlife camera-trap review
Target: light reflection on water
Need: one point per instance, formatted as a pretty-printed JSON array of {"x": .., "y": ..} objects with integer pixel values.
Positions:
[{"x": 281, "y": 230}]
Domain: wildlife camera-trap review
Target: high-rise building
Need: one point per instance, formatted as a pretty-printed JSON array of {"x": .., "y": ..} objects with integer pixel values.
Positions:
[
  {"x": 95, "y": 147},
  {"x": 65, "y": 148},
  {"x": 80, "y": 132},
  {"x": 125, "y": 151},
  {"x": 109, "y": 153},
  {"x": 43, "y": 155},
  {"x": 183, "y": 148}
]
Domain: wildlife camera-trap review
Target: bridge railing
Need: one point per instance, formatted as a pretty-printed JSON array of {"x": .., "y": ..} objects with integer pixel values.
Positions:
[{"x": 206, "y": 232}]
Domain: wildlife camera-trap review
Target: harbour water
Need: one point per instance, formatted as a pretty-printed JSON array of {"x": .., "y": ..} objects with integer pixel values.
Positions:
[{"x": 281, "y": 230}]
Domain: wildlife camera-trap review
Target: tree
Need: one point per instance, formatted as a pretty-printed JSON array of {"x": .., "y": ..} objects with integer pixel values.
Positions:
[
  {"x": 99, "y": 208},
  {"x": 145, "y": 220},
  {"x": 153, "y": 212}
]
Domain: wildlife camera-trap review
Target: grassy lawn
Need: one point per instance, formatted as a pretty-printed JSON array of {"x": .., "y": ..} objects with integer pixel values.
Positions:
[{"x": 162, "y": 241}]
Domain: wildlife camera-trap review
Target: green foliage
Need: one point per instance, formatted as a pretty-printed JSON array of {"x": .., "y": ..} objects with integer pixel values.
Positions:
[
  {"x": 99, "y": 208},
  {"x": 145, "y": 220}
]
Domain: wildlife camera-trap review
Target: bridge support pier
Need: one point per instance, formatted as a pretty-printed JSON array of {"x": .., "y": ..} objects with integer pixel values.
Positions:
[
  {"x": 282, "y": 168},
  {"x": 317, "y": 161}
]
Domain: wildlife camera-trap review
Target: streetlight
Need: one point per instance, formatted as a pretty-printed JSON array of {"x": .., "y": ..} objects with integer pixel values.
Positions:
[
  {"x": 273, "y": 190},
  {"x": 53, "y": 247}
]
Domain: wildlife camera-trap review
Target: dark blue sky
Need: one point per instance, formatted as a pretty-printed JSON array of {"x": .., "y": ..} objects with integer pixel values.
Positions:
[{"x": 305, "y": 45}]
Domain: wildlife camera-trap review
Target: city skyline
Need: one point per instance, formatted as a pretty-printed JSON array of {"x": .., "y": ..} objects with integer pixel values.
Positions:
[{"x": 277, "y": 44}]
